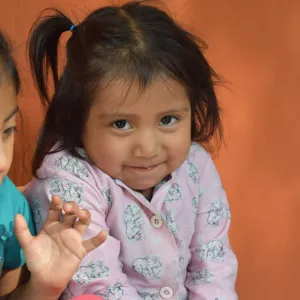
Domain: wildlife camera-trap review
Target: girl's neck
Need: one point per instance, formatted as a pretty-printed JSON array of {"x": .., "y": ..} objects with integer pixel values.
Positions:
[{"x": 147, "y": 193}]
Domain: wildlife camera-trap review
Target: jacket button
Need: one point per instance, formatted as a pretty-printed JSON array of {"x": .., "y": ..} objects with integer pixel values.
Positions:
[
  {"x": 166, "y": 293},
  {"x": 156, "y": 222}
]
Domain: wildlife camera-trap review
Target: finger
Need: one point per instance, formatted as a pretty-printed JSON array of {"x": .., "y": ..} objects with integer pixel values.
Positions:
[
  {"x": 22, "y": 231},
  {"x": 84, "y": 220},
  {"x": 71, "y": 213},
  {"x": 55, "y": 210},
  {"x": 95, "y": 242}
]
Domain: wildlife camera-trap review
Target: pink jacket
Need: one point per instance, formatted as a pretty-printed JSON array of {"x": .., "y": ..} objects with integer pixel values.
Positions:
[{"x": 174, "y": 247}]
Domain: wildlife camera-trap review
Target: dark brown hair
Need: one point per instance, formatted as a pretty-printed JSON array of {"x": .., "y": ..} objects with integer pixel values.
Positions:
[{"x": 135, "y": 40}]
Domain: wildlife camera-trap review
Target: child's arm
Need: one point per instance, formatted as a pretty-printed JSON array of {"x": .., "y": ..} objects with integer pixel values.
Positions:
[
  {"x": 100, "y": 272},
  {"x": 213, "y": 266},
  {"x": 11, "y": 279},
  {"x": 54, "y": 254}
]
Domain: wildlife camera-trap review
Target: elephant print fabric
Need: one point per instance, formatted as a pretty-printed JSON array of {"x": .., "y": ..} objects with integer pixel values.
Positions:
[
  {"x": 36, "y": 209},
  {"x": 177, "y": 243},
  {"x": 66, "y": 189},
  {"x": 91, "y": 271},
  {"x": 174, "y": 193},
  {"x": 217, "y": 210},
  {"x": 148, "y": 266},
  {"x": 171, "y": 223},
  {"x": 148, "y": 295},
  {"x": 213, "y": 250},
  {"x": 203, "y": 276},
  {"x": 113, "y": 292},
  {"x": 193, "y": 172},
  {"x": 72, "y": 165},
  {"x": 133, "y": 219},
  {"x": 107, "y": 196}
]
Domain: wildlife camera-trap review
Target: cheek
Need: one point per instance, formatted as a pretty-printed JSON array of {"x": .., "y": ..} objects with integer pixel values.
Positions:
[
  {"x": 8, "y": 153},
  {"x": 182, "y": 138},
  {"x": 108, "y": 157},
  {"x": 103, "y": 148},
  {"x": 179, "y": 146}
]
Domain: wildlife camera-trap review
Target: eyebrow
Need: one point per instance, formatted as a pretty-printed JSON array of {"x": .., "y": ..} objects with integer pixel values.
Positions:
[
  {"x": 133, "y": 115},
  {"x": 14, "y": 111}
]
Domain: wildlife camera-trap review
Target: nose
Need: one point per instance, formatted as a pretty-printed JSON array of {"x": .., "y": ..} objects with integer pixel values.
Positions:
[
  {"x": 147, "y": 144},
  {"x": 3, "y": 159}
]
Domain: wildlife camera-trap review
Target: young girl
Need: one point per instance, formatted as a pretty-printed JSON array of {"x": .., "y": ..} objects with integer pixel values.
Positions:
[
  {"x": 53, "y": 256},
  {"x": 119, "y": 138}
]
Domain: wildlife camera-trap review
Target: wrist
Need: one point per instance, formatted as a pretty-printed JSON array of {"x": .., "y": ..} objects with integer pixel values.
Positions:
[{"x": 42, "y": 291}]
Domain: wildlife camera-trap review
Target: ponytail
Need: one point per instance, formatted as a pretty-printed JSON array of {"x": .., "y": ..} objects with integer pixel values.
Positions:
[{"x": 43, "y": 50}]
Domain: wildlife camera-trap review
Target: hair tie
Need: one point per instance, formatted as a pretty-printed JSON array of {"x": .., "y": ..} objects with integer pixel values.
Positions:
[{"x": 72, "y": 27}]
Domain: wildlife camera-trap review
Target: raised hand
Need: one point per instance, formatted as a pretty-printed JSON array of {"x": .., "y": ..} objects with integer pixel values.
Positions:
[{"x": 54, "y": 255}]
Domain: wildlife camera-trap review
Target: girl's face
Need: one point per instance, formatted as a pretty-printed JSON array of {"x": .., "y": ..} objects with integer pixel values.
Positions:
[
  {"x": 8, "y": 111},
  {"x": 139, "y": 138}
]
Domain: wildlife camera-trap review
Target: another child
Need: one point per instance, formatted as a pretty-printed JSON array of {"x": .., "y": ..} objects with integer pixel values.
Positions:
[
  {"x": 119, "y": 138},
  {"x": 53, "y": 256}
]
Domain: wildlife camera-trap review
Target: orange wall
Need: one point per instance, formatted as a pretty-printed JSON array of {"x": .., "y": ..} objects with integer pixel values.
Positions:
[{"x": 254, "y": 44}]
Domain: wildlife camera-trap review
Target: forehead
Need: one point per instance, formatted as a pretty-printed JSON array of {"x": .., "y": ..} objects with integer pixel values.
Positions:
[
  {"x": 8, "y": 100},
  {"x": 121, "y": 96}
]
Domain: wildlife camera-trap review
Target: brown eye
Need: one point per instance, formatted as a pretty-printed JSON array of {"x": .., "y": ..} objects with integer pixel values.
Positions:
[
  {"x": 122, "y": 124},
  {"x": 168, "y": 121}
]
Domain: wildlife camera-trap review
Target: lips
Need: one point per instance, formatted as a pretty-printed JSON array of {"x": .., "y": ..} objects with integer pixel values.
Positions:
[{"x": 145, "y": 167}]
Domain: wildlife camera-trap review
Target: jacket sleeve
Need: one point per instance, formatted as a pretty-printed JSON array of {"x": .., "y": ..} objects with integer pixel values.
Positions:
[
  {"x": 100, "y": 272},
  {"x": 212, "y": 269}
]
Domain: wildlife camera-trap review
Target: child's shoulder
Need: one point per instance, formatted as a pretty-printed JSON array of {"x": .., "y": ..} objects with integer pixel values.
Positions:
[
  {"x": 196, "y": 162},
  {"x": 198, "y": 155},
  {"x": 199, "y": 165},
  {"x": 12, "y": 202},
  {"x": 70, "y": 177},
  {"x": 65, "y": 165},
  {"x": 6, "y": 185},
  {"x": 10, "y": 195}
]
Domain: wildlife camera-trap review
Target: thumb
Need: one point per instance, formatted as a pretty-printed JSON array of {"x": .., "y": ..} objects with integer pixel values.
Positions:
[{"x": 22, "y": 231}]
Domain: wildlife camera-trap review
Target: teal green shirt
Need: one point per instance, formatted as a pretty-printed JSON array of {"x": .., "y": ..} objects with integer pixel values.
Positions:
[{"x": 12, "y": 202}]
